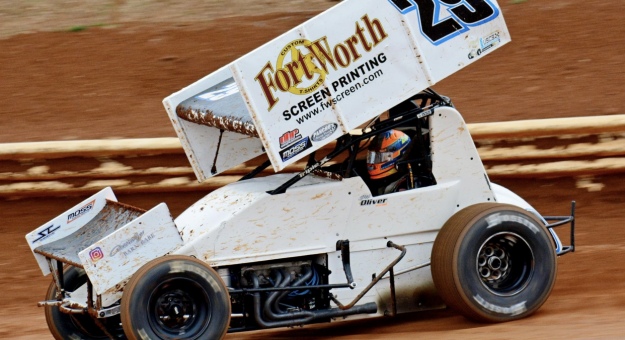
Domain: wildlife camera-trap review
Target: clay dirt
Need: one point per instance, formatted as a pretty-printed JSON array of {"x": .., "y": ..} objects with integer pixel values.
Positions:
[{"x": 72, "y": 71}]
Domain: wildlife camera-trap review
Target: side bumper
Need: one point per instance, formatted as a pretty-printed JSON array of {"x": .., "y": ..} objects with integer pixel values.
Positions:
[{"x": 557, "y": 221}]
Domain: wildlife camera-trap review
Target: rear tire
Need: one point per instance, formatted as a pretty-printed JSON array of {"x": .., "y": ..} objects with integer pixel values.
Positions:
[
  {"x": 175, "y": 297},
  {"x": 494, "y": 263},
  {"x": 72, "y": 326}
]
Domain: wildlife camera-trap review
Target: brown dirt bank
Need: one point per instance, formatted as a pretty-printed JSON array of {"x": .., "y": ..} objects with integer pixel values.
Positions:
[{"x": 109, "y": 82}]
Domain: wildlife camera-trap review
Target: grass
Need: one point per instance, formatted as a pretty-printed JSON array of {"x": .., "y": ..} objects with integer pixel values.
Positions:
[
  {"x": 84, "y": 27},
  {"x": 78, "y": 28}
]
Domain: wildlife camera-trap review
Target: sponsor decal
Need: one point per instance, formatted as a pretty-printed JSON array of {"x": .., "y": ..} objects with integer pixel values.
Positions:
[
  {"x": 289, "y": 137},
  {"x": 364, "y": 197},
  {"x": 377, "y": 202},
  {"x": 425, "y": 113},
  {"x": 324, "y": 132},
  {"x": 96, "y": 254},
  {"x": 47, "y": 232},
  {"x": 313, "y": 167},
  {"x": 132, "y": 244},
  {"x": 295, "y": 149},
  {"x": 484, "y": 44},
  {"x": 341, "y": 88},
  {"x": 499, "y": 218},
  {"x": 81, "y": 211},
  {"x": 302, "y": 65},
  {"x": 512, "y": 310},
  {"x": 458, "y": 16}
]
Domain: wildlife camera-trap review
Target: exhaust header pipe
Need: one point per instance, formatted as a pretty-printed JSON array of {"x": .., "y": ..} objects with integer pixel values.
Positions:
[{"x": 303, "y": 317}]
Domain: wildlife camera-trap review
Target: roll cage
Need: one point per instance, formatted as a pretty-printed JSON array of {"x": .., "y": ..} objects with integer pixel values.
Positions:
[{"x": 412, "y": 112}]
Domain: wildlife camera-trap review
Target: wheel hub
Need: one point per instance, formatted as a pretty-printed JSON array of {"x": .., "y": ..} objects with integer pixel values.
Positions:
[
  {"x": 175, "y": 309},
  {"x": 505, "y": 264},
  {"x": 493, "y": 264}
]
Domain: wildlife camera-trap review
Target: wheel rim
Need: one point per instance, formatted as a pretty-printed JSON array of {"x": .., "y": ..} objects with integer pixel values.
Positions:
[
  {"x": 179, "y": 308},
  {"x": 505, "y": 264}
]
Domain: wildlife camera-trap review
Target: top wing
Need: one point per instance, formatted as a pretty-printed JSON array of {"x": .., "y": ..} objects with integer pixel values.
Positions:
[{"x": 327, "y": 76}]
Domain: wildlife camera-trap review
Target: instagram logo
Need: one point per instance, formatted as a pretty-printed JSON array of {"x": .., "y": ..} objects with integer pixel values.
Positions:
[{"x": 96, "y": 254}]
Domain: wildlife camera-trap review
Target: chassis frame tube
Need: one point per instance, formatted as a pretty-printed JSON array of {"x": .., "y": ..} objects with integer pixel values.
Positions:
[
  {"x": 274, "y": 289},
  {"x": 376, "y": 280}
]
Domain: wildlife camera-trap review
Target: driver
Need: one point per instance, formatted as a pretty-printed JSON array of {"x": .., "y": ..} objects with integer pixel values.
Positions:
[{"x": 385, "y": 151}]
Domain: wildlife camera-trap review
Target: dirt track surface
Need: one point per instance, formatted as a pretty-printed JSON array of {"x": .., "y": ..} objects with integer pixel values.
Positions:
[{"x": 109, "y": 81}]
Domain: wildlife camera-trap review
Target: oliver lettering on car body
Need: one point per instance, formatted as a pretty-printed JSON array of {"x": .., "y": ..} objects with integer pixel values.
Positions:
[{"x": 377, "y": 202}]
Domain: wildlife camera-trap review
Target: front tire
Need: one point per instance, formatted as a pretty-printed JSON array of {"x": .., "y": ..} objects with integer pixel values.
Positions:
[
  {"x": 175, "y": 297},
  {"x": 73, "y": 326},
  {"x": 494, "y": 263}
]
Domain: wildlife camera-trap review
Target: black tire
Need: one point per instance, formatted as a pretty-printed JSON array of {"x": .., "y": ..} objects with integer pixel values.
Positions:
[
  {"x": 494, "y": 263},
  {"x": 165, "y": 290},
  {"x": 72, "y": 326}
]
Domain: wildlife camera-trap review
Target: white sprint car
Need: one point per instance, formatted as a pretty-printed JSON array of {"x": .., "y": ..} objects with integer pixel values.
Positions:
[{"x": 324, "y": 244}]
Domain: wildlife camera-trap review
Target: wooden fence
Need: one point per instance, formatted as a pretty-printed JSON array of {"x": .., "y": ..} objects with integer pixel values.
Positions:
[{"x": 583, "y": 146}]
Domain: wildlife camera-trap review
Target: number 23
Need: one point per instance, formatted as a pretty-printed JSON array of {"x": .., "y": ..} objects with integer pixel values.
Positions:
[{"x": 464, "y": 14}]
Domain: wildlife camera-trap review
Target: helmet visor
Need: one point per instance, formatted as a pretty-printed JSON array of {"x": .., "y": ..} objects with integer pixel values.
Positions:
[{"x": 375, "y": 157}]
